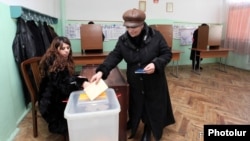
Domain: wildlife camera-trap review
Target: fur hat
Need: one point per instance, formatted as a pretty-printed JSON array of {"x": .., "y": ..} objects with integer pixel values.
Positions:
[{"x": 133, "y": 17}]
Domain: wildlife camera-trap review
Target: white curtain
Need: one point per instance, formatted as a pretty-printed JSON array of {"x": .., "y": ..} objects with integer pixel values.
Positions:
[{"x": 238, "y": 26}]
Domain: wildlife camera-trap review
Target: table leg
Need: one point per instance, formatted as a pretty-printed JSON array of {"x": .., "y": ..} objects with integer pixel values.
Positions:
[
  {"x": 175, "y": 71},
  {"x": 195, "y": 63},
  {"x": 224, "y": 66}
]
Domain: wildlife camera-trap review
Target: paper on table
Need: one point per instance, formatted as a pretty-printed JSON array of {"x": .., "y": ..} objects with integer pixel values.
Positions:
[{"x": 94, "y": 90}]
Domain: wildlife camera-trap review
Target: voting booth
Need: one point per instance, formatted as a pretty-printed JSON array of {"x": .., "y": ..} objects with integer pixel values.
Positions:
[
  {"x": 93, "y": 120},
  {"x": 91, "y": 38},
  {"x": 209, "y": 37},
  {"x": 166, "y": 30}
]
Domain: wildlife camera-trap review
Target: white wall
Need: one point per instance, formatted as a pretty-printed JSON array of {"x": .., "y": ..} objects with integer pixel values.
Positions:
[
  {"x": 97, "y": 10},
  {"x": 47, "y": 7},
  {"x": 193, "y": 11}
]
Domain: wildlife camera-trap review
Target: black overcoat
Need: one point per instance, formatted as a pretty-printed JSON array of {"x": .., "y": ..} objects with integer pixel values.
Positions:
[
  {"x": 194, "y": 45},
  {"x": 149, "y": 93}
]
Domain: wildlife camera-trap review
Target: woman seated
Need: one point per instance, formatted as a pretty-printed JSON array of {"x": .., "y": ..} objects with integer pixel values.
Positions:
[{"x": 58, "y": 81}]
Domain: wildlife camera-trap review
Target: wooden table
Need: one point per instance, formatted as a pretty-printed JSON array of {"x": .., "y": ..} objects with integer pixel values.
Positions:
[
  {"x": 212, "y": 53},
  {"x": 175, "y": 58},
  {"x": 98, "y": 58},
  {"x": 116, "y": 81},
  {"x": 89, "y": 58}
]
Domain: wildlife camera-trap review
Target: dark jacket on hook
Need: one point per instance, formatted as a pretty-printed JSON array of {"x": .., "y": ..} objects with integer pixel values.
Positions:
[
  {"x": 44, "y": 35},
  {"x": 23, "y": 46},
  {"x": 37, "y": 37},
  {"x": 50, "y": 31}
]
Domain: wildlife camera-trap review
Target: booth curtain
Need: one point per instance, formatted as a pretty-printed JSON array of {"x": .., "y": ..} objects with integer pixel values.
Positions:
[{"x": 238, "y": 26}]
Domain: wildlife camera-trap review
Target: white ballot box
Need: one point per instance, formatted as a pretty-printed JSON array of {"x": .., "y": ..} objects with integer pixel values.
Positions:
[{"x": 96, "y": 120}]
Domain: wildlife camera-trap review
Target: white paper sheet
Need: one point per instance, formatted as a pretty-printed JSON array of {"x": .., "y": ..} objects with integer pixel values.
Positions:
[{"x": 94, "y": 90}]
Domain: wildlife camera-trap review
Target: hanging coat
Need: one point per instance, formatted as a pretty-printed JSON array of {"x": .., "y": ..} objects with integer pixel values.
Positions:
[
  {"x": 51, "y": 34},
  {"x": 44, "y": 35},
  {"x": 37, "y": 37},
  {"x": 23, "y": 48},
  {"x": 23, "y": 45}
]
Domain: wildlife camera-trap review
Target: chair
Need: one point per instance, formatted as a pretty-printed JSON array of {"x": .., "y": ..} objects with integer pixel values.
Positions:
[{"x": 32, "y": 78}]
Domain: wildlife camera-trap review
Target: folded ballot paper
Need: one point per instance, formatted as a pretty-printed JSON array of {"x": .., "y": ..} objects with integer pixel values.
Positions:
[
  {"x": 84, "y": 98},
  {"x": 95, "y": 89}
]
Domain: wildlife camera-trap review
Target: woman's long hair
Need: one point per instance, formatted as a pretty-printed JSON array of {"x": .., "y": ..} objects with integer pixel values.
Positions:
[{"x": 52, "y": 61}]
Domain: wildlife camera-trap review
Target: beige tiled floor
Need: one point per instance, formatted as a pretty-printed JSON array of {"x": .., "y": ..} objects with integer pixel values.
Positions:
[
  {"x": 26, "y": 131},
  {"x": 196, "y": 100}
]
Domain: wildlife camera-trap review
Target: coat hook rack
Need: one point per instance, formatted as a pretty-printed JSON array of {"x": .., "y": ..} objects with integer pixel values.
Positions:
[{"x": 27, "y": 14}]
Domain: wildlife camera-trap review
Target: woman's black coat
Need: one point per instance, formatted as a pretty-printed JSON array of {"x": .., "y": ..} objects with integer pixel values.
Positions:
[
  {"x": 149, "y": 93},
  {"x": 55, "y": 89}
]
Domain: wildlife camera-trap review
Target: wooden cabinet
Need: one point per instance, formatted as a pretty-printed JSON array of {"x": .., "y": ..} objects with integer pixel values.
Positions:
[{"x": 116, "y": 81}]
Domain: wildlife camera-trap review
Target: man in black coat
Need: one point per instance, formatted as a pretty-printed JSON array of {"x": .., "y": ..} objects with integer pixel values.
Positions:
[
  {"x": 146, "y": 53},
  {"x": 195, "y": 58}
]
